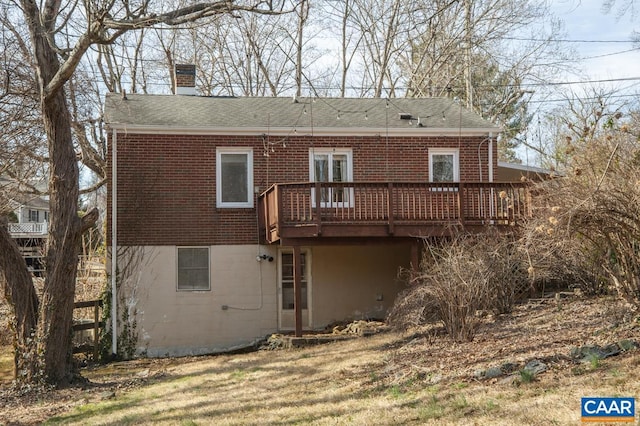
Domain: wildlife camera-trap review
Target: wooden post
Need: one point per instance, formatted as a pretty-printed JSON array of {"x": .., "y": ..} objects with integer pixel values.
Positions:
[
  {"x": 318, "y": 201},
  {"x": 297, "y": 288},
  {"x": 96, "y": 329},
  {"x": 390, "y": 204},
  {"x": 461, "y": 200},
  {"x": 415, "y": 256}
]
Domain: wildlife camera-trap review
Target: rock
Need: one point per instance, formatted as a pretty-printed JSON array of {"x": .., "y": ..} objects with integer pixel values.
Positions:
[
  {"x": 611, "y": 350},
  {"x": 143, "y": 373},
  {"x": 536, "y": 367},
  {"x": 587, "y": 353},
  {"x": 509, "y": 367},
  {"x": 489, "y": 373},
  {"x": 493, "y": 372},
  {"x": 590, "y": 352},
  {"x": 627, "y": 345}
]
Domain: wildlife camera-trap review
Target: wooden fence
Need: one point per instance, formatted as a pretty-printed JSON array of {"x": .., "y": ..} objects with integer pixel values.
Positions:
[{"x": 96, "y": 325}]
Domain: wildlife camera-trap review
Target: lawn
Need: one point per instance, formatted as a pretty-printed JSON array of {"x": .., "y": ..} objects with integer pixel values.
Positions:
[{"x": 390, "y": 378}]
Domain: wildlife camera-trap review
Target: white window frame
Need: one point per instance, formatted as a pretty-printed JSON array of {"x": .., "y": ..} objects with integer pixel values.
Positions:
[
  {"x": 455, "y": 152},
  {"x": 236, "y": 150},
  {"x": 312, "y": 170},
  {"x": 208, "y": 269}
]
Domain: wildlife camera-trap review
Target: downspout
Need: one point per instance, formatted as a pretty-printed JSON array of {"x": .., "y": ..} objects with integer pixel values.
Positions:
[
  {"x": 114, "y": 243},
  {"x": 490, "y": 157},
  {"x": 490, "y": 154},
  {"x": 490, "y": 166}
]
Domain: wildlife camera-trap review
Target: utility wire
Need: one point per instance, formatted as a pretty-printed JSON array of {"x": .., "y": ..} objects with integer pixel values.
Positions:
[{"x": 566, "y": 40}]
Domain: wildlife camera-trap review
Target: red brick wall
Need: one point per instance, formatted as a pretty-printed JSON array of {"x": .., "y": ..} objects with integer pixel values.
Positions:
[{"x": 167, "y": 188}]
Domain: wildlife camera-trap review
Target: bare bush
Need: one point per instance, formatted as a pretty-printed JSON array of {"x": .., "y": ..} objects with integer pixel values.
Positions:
[
  {"x": 459, "y": 278},
  {"x": 590, "y": 223},
  {"x": 558, "y": 259}
]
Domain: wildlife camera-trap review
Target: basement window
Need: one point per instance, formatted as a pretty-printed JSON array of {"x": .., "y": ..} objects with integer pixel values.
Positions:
[{"x": 193, "y": 268}]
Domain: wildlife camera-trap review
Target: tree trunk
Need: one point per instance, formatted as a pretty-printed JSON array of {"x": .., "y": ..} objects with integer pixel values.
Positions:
[
  {"x": 56, "y": 307},
  {"x": 56, "y": 312},
  {"x": 21, "y": 295}
]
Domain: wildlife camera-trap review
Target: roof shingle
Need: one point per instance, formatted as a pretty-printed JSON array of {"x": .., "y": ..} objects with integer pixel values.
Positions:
[{"x": 171, "y": 111}]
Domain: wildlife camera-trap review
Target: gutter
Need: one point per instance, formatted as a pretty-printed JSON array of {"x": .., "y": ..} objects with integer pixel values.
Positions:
[{"x": 302, "y": 130}]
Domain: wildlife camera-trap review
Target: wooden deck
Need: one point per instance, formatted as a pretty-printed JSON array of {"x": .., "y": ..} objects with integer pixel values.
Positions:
[{"x": 313, "y": 210}]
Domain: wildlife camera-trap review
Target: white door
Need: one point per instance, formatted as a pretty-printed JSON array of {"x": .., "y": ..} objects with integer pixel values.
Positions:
[{"x": 286, "y": 320}]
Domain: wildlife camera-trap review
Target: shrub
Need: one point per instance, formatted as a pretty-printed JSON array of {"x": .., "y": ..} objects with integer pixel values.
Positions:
[
  {"x": 460, "y": 277},
  {"x": 590, "y": 225}
]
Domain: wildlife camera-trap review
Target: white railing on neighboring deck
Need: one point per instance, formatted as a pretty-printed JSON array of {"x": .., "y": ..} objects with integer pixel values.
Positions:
[{"x": 28, "y": 228}]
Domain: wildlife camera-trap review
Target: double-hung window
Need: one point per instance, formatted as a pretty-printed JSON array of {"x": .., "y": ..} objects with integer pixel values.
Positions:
[
  {"x": 444, "y": 165},
  {"x": 332, "y": 165},
  {"x": 234, "y": 177},
  {"x": 193, "y": 268},
  {"x": 34, "y": 216}
]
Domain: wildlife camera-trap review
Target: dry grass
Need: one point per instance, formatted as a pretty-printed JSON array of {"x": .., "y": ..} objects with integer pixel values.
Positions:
[
  {"x": 6, "y": 364},
  {"x": 389, "y": 378}
]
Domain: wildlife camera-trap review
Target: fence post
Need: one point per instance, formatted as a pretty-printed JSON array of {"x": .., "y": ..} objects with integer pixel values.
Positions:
[{"x": 96, "y": 328}]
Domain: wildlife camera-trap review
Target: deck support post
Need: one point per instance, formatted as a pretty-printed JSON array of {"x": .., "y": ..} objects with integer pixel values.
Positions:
[
  {"x": 297, "y": 288},
  {"x": 415, "y": 258}
]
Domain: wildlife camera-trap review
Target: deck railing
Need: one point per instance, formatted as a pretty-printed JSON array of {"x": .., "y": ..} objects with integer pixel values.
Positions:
[
  {"x": 392, "y": 204},
  {"x": 28, "y": 228}
]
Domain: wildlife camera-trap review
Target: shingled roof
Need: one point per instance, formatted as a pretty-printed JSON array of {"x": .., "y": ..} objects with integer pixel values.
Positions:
[{"x": 356, "y": 115}]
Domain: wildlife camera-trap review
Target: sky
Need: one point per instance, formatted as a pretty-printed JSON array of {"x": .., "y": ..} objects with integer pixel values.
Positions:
[{"x": 585, "y": 20}]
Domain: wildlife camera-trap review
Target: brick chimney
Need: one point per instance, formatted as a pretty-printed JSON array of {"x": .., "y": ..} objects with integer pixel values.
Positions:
[{"x": 185, "y": 79}]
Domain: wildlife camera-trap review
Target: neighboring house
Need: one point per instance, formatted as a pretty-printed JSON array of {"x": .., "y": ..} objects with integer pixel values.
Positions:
[
  {"x": 522, "y": 172},
  {"x": 28, "y": 225},
  {"x": 32, "y": 214},
  {"x": 235, "y": 206}
]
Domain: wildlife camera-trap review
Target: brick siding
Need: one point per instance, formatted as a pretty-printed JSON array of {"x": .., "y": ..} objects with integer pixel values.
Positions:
[{"x": 167, "y": 188}]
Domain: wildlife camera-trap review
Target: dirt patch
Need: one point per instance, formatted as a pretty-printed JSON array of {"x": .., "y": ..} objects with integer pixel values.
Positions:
[{"x": 420, "y": 377}]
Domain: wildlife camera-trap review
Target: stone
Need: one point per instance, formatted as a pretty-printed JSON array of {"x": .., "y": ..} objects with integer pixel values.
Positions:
[
  {"x": 536, "y": 367},
  {"x": 627, "y": 345},
  {"x": 478, "y": 374},
  {"x": 611, "y": 350},
  {"x": 587, "y": 353},
  {"x": 493, "y": 372},
  {"x": 509, "y": 367}
]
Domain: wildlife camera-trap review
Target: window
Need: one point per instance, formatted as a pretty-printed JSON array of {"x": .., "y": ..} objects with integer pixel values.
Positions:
[
  {"x": 193, "y": 268},
  {"x": 288, "y": 296},
  {"x": 234, "y": 177},
  {"x": 34, "y": 216},
  {"x": 332, "y": 165},
  {"x": 443, "y": 165}
]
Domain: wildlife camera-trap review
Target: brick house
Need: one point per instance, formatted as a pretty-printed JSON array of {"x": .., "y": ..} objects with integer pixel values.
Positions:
[{"x": 240, "y": 207}]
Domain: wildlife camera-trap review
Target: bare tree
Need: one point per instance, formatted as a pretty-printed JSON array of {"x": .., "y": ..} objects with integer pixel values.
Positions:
[
  {"x": 60, "y": 35},
  {"x": 569, "y": 128}
]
